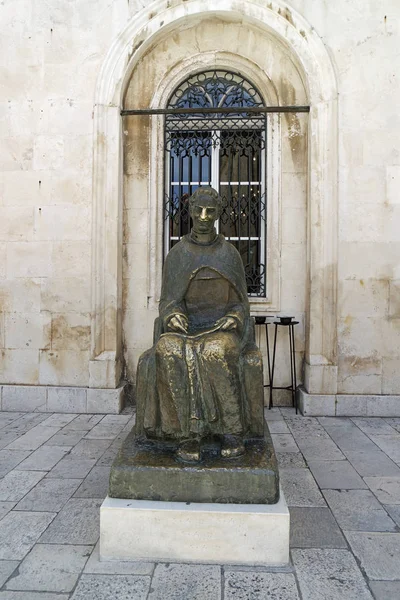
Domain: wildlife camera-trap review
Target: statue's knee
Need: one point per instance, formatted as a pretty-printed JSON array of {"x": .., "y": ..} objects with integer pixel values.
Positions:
[
  {"x": 169, "y": 345},
  {"x": 220, "y": 347}
]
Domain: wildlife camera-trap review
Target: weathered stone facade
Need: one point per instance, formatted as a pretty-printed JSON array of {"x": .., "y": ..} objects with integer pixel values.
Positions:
[{"x": 81, "y": 190}]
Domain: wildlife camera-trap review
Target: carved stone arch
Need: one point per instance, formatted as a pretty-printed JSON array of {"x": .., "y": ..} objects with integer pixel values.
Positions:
[{"x": 144, "y": 29}]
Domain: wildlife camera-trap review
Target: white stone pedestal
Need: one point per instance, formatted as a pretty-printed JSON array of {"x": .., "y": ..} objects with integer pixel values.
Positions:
[{"x": 245, "y": 534}]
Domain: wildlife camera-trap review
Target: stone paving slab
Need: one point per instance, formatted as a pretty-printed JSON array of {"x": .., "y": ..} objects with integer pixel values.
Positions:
[
  {"x": 288, "y": 412},
  {"x": 372, "y": 426},
  {"x": 386, "y": 489},
  {"x": 59, "y": 420},
  {"x": 314, "y": 442},
  {"x": 385, "y": 590},
  {"x": 72, "y": 467},
  {"x": 300, "y": 488},
  {"x": 7, "y": 437},
  {"x": 95, "y": 484},
  {"x": 50, "y": 568},
  {"x": 314, "y": 528},
  {"x": 304, "y": 426},
  {"x": 43, "y": 459},
  {"x": 350, "y": 438},
  {"x": 372, "y": 463},
  {"x": 116, "y": 567},
  {"x": 107, "y": 459},
  {"x": 90, "y": 449},
  {"x": 84, "y": 422},
  {"x": 8, "y": 417},
  {"x": 273, "y": 414},
  {"x": 32, "y": 596},
  {"x": 180, "y": 582},
  {"x": 393, "y": 422},
  {"x": 20, "y": 530},
  {"x": 34, "y": 438},
  {"x": 284, "y": 442},
  {"x": 335, "y": 421},
  {"x": 68, "y": 438},
  {"x": 390, "y": 444},
  {"x": 9, "y": 459},
  {"x": 253, "y": 585},
  {"x": 77, "y": 523},
  {"x": 276, "y": 426},
  {"x": 49, "y": 495},
  {"x": 329, "y": 575},
  {"x": 290, "y": 460},
  {"x": 394, "y": 512},
  {"x": 358, "y": 510},
  {"x": 16, "y": 484},
  {"x": 108, "y": 587},
  {"x": 378, "y": 553},
  {"x": 27, "y": 422},
  {"x": 335, "y": 474},
  {"x": 109, "y": 427},
  {"x": 5, "y": 507},
  {"x": 6, "y": 569}
]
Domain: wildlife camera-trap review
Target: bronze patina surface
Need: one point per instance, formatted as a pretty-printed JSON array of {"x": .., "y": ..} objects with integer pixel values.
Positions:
[
  {"x": 144, "y": 471},
  {"x": 202, "y": 380}
]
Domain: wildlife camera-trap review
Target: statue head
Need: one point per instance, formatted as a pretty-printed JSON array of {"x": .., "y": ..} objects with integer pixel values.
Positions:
[{"x": 205, "y": 207}]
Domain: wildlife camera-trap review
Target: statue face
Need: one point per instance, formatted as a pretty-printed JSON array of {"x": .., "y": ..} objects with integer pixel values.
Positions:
[{"x": 204, "y": 214}]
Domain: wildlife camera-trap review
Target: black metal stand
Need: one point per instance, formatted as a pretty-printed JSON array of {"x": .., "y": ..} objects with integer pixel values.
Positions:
[
  {"x": 292, "y": 387},
  {"x": 267, "y": 385},
  {"x": 271, "y": 370}
]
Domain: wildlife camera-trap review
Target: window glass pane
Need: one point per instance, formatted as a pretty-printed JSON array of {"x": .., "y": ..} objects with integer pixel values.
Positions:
[
  {"x": 255, "y": 271},
  {"x": 243, "y": 211},
  {"x": 225, "y": 151},
  {"x": 240, "y": 155}
]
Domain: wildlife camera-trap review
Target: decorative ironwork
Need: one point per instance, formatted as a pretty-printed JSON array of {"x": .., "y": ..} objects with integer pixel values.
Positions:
[
  {"x": 215, "y": 89},
  {"x": 226, "y": 151}
]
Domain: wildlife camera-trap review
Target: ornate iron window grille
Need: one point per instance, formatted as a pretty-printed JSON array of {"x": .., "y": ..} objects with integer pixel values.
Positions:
[{"x": 225, "y": 151}]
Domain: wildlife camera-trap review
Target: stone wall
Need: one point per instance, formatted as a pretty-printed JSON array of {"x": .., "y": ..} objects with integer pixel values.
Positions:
[{"x": 50, "y": 59}]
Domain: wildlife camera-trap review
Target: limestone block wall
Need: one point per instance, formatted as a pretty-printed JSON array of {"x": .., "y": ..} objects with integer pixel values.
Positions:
[
  {"x": 362, "y": 38},
  {"x": 50, "y": 58}
]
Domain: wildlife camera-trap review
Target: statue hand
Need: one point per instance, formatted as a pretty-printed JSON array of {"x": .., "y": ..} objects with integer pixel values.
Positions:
[
  {"x": 227, "y": 323},
  {"x": 178, "y": 323}
]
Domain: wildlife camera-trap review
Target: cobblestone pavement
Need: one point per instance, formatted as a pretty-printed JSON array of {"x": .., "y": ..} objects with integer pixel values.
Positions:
[{"x": 341, "y": 479}]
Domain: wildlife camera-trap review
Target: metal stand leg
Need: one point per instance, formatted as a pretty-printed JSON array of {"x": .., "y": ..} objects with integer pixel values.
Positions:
[
  {"x": 291, "y": 362},
  {"x": 273, "y": 369},
  {"x": 269, "y": 363},
  {"x": 294, "y": 377}
]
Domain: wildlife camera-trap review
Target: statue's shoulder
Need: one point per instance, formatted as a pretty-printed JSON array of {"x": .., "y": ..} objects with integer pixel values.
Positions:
[
  {"x": 176, "y": 250},
  {"x": 230, "y": 249}
]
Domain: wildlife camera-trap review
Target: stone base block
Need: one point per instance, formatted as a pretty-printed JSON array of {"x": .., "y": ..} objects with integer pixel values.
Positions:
[
  {"x": 192, "y": 532},
  {"x": 61, "y": 399},
  {"x": 145, "y": 471},
  {"x": 316, "y": 405},
  {"x": 105, "y": 401},
  {"x": 348, "y": 405}
]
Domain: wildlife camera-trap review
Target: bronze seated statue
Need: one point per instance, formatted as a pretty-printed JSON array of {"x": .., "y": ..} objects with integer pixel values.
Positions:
[{"x": 203, "y": 376}]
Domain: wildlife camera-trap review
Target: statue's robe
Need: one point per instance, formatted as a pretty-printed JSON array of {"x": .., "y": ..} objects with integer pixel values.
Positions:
[{"x": 193, "y": 384}]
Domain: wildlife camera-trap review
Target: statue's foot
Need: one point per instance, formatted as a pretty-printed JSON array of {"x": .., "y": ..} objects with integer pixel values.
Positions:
[
  {"x": 189, "y": 451},
  {"x": 232, "y": 446}
]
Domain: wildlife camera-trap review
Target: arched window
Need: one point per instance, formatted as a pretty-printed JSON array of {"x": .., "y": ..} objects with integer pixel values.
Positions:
[{"x": 225, "y": 149}]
